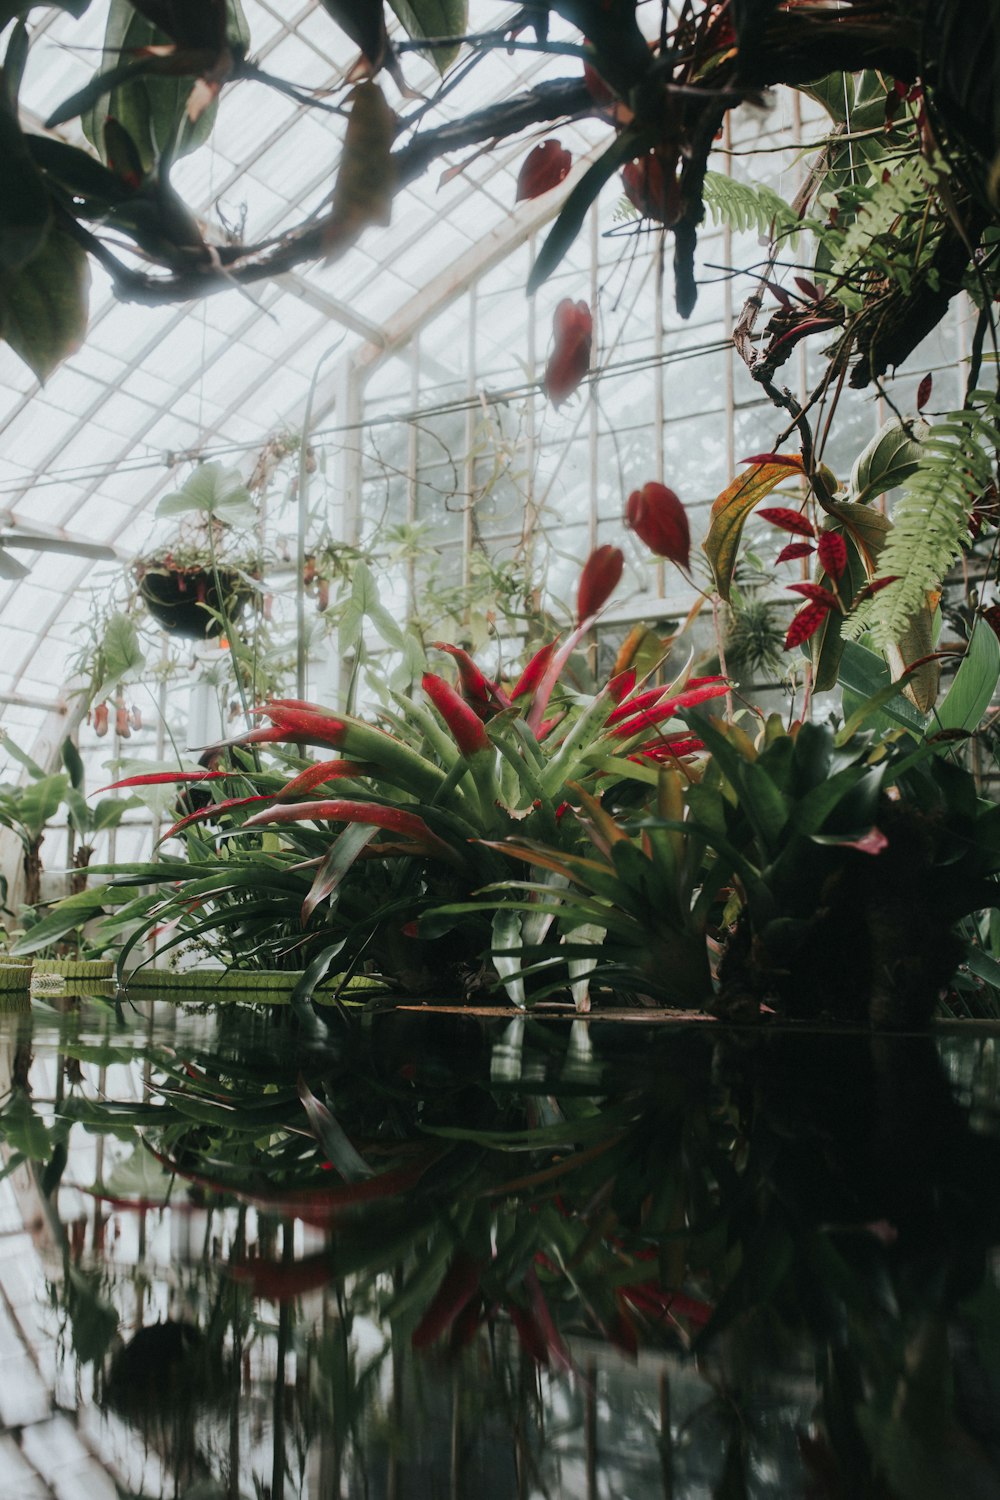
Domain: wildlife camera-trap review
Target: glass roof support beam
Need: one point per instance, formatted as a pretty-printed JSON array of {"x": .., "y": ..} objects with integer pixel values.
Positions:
[
  {"x": 482, "y": 258},
  {"x": 330, "y": 307}
]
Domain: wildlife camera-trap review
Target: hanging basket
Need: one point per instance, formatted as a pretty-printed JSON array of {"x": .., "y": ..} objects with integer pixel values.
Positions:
[{"x": 181, "y": 600}]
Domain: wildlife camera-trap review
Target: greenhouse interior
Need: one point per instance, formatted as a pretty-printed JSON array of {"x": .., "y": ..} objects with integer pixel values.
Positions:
[{"x": 499, "y": 725}]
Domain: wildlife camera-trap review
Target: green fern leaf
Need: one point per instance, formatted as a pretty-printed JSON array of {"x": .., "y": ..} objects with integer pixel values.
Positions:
[
  {"x": 931, "y": 520},
  {"x": 743, "y": 206}
]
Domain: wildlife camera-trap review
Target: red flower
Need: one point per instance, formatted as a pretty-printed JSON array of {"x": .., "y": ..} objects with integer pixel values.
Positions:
[
  {"x": 542, "y": 169},
  {"x": 653, "y": 189},
  {"x": 600, "y": 577},
  {"x": 659, "y": 519},
  {"x": 573, "y": 329}
]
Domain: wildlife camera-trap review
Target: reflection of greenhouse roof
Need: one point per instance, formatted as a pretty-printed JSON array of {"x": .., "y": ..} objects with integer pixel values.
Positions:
[{"x": 92, "y": 451}]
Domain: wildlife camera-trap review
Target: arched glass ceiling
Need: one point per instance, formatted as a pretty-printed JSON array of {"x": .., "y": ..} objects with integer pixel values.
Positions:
[{"x": 92, "y": 452}]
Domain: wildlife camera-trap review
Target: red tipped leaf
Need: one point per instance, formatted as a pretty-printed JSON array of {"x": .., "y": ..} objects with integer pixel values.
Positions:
[{"x": 465, "y": 724}]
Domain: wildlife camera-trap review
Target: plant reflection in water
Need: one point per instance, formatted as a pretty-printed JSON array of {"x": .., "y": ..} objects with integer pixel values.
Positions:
[{"x": 415, "y": 1255}]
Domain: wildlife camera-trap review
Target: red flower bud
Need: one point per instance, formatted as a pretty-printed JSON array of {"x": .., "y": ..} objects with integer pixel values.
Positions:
[
  {"x": 659, "y": 519},
  {"x": 573, "y": 329},
  {"x": 600, "y": 577},
  {"x": 101, "y": 720}
]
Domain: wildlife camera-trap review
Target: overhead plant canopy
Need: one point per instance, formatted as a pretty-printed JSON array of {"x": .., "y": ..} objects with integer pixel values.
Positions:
[{"x": 892, "y": 254}]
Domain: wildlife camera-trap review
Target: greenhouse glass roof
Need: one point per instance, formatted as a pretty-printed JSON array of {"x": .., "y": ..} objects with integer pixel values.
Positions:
[{"x": 91, "y": 452}]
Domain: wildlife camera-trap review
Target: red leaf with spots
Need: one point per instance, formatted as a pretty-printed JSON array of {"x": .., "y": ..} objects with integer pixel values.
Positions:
[
  {"x": 816, "y": 594},
  {"x": 805, "y": 624},
  {"x": 924, "y": 391},
  {"x": 793, "y": 551},
  {"x": 788, "y": 520},
  {"x": 542, "y": 169},
  {"x": 832, "y": 553},
  {"x": 875, "y": 587}
]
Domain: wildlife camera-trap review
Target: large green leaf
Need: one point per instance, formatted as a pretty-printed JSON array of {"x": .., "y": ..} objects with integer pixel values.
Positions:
[
  {"x": 40, "y": 800},
  {"x": 433, "y": 18},
  {"x": 43, "y": 306},
  {"x": 25, "y": 207},
  {"x": 890, "y": 458},
  {"x": 121, "y": 654},
  {"x": 211, "y": 490},
  {"x": 863, "y": 674},
  {"x": 975, "y": 682},
  {"x": 66, "y": 917},
  {"x": 730, "y": 510},
  {"x": 152, "y": 110}
]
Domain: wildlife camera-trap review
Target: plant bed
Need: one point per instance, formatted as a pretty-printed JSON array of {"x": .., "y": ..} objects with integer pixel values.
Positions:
[{"x": 187, "y": 601}]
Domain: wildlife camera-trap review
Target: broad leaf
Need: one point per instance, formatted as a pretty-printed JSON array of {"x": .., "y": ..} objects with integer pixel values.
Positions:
[
  {"x": 890, "y": 458},
  {"x": 863, "y": 674},
  {"x": 43, "y": 306},
  {"x": 121, "y": 655},
  {"x": 433, "y": 18},
  {"x": 730, "y": 510},
  {"x": 25, "y": 208},
  {"x": 970, "y": 694},
  {"x": 366, "y": 176},
  {"x": 152, "y": 110},
  {"x": 210, "y": 490}
]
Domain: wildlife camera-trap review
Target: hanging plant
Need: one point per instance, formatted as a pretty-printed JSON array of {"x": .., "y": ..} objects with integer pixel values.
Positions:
[{"x": 202, "y": 582}]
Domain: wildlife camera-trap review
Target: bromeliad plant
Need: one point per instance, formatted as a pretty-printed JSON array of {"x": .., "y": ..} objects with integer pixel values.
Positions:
[{"x": 338, "y": 862}]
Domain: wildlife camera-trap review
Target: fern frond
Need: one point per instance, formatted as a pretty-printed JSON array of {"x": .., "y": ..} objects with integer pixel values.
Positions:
[
  {"x": 931, "y": 520},
  {"x": 744, "y": 206},
  {"x": 876, "y": 238}
]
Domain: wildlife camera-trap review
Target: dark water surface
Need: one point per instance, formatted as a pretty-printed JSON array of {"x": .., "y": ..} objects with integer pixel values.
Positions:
[{"x": 407, "y": 1256}]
